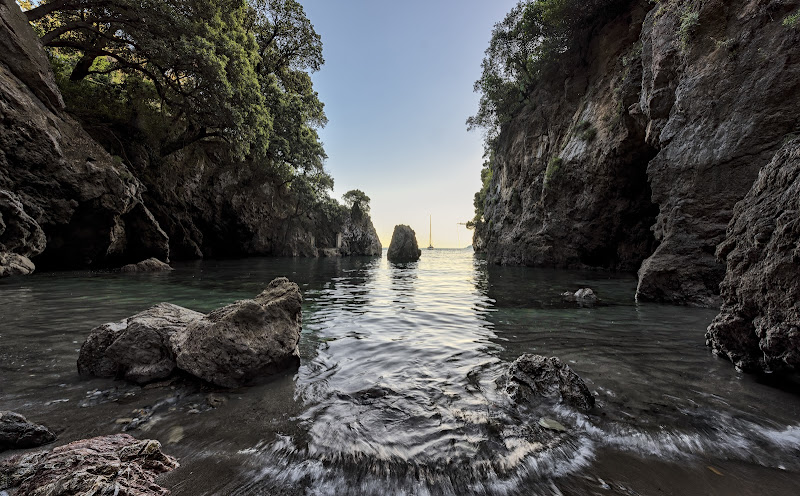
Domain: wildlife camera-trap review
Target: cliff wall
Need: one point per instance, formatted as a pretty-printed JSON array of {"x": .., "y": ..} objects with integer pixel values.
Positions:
[
  {"x": 66, "y": 202},
  {"x": 634, "y": 157}
]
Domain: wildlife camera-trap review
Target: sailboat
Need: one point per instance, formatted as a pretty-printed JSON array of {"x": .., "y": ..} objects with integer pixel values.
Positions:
[{"x": 430, "y": 233}]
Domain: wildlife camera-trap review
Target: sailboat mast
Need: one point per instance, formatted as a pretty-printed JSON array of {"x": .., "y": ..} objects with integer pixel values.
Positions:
[{"x": 430, "y": 230}]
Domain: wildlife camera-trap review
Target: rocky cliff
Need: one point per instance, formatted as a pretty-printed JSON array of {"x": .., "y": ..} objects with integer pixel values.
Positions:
[
  {"x": 633, "y": 157},
  {"x": 65, "y": 201},
  {"x": 758, "y": 327}
]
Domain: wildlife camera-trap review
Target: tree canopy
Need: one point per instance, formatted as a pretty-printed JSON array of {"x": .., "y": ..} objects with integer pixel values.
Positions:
[
  {"x": 356, "y": 199},
  {"x": 227, "y": 70}
]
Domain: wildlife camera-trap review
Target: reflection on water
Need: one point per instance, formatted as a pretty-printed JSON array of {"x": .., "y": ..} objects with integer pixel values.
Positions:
[{"x": 397, "y": 389}]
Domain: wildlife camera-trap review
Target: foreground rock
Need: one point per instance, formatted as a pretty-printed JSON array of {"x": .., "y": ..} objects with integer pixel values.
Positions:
[
  {"x": 152, "y": 264},
  {"x": 403, "y": 247},
  {"x": 758, "y": 327},
  {"x": 247, "y": 339},
  {"x": 534, "y": 376},
  {"x": 16, "y": 432},
  {"x": 109, "y": 465},
  {"x": 137, "y": 348}
]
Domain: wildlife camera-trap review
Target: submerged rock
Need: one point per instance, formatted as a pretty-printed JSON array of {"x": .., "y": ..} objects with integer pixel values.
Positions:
[
  {"x": 403, "y": 247},
  {"x": 583, "y": 295},
  {"x": 137, "y": 348},
  {"x": 108, "y": 465},
  {"x": 550, "y": 424},
  {"x": 16, "y": 432},
  {"x": 532, "y": 376},
  {"x": 237, "y": 343},
  {"x": 758, "y": 327},
  {"x": 152, "y": 264}
]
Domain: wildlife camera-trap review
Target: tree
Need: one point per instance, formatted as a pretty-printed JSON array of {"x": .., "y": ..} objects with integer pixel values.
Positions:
[
  {"x": 355, "y": 199},
  {"x": 196, "y": 53}
]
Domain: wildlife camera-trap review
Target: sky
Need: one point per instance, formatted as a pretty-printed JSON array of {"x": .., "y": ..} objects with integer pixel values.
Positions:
[{"x": 397, "y": 88}]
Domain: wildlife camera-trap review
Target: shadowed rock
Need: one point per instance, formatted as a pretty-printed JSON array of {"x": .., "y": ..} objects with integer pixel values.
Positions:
[
  {"x": 237, "y": 343},
  {"x": 16, "y": 432},
  {"x": 138, "y": 347},
  {"x": 758, "y": 327},
  {"x": 152, "y": 264},
  {"x": 403, "y": 247},
  {"x": 108, "y": 465},
  {"x": 532, "y": 376}
]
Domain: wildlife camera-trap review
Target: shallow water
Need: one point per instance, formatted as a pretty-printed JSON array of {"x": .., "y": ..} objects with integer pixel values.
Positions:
[{"x": 397, "y": 392}]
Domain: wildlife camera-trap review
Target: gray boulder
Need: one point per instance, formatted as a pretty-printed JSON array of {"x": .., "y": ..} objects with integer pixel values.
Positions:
[
  {"x": 235, "y": 344},
  {"x": 534, "y": 376},
  {"x": 12, "y": 264},
  {"x": 137, "y": 348},
  {"x": 16, "y": 432},
  {"x": 403, "y": 247},
  {"x": 152, "y": 264},
  {"x": 117, "y": 464},
  {"x": 758, "y": 327}
]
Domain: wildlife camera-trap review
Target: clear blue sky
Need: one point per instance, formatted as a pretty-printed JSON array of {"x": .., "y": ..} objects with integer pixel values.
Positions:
[{"x": 397, "y": 87}]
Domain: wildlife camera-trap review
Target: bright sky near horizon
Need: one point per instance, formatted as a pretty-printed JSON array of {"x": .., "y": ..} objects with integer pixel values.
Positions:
[{"x": 397, "y": 87}]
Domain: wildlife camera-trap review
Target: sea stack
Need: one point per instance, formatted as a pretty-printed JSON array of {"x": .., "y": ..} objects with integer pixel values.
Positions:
[{"x": 403, "y": 247}]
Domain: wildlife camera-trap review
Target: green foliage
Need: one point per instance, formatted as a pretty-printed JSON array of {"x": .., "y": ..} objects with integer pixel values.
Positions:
[
  {"x": 553, "y": 168},
  {"x": 792, "y": 20},
  {"x": 479, "y": 201},
  {"x": 355, "y": 199},
  {"x": 690, "y": 18}
]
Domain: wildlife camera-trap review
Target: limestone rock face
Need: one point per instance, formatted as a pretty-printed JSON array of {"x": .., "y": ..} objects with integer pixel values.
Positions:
[
  {"x": 532, "y": 376},
  {"x": 235, "y": 344},
  {"x": 403, "y": 247},
  {"x": 117, "y": 464},
  {"x": 16, "y": 432},
  {"x": 87, "y": 206},
  {"x": 758, "y": 327},
  {"x": 137, "y": 348},
  {"x": 634, "y": 156},
  {"x": 359, "y": 236},
  {"x": 150, "y": 265}
]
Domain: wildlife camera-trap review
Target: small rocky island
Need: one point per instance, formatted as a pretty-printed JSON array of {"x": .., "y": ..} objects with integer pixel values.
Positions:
[{"x": 403, "y": 247}]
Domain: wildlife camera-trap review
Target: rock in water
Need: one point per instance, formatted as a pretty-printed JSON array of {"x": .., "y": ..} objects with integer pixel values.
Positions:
[
  {"x": 16, "y": 432},
  {"x": 237, "y": 343},
  {"x": 403, "y": 247},
  {"x": 758, "y": 327},
  {"x": 138, "y": 347},
  {"x": 108, "y": 465},
  {"x": 13, "y": 264},
  {"x": 152, "y": 264},
  {"x": 534, "y": 375}
]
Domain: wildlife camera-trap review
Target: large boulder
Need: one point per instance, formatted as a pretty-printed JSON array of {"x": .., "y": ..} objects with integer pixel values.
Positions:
[
  {"x": 118, "y": 464},
  {"x": 20, "y": 237},
  {"x": 137, "y": 348},
  {"x": 758, "y": 327},
  {"x": 16, "y": 432},
  {"x": 359, "y": 236},
  {"x": 403, "y": 247},
  {"x": 235, "y": 344},
  {"x": 535, "y": 376}
]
